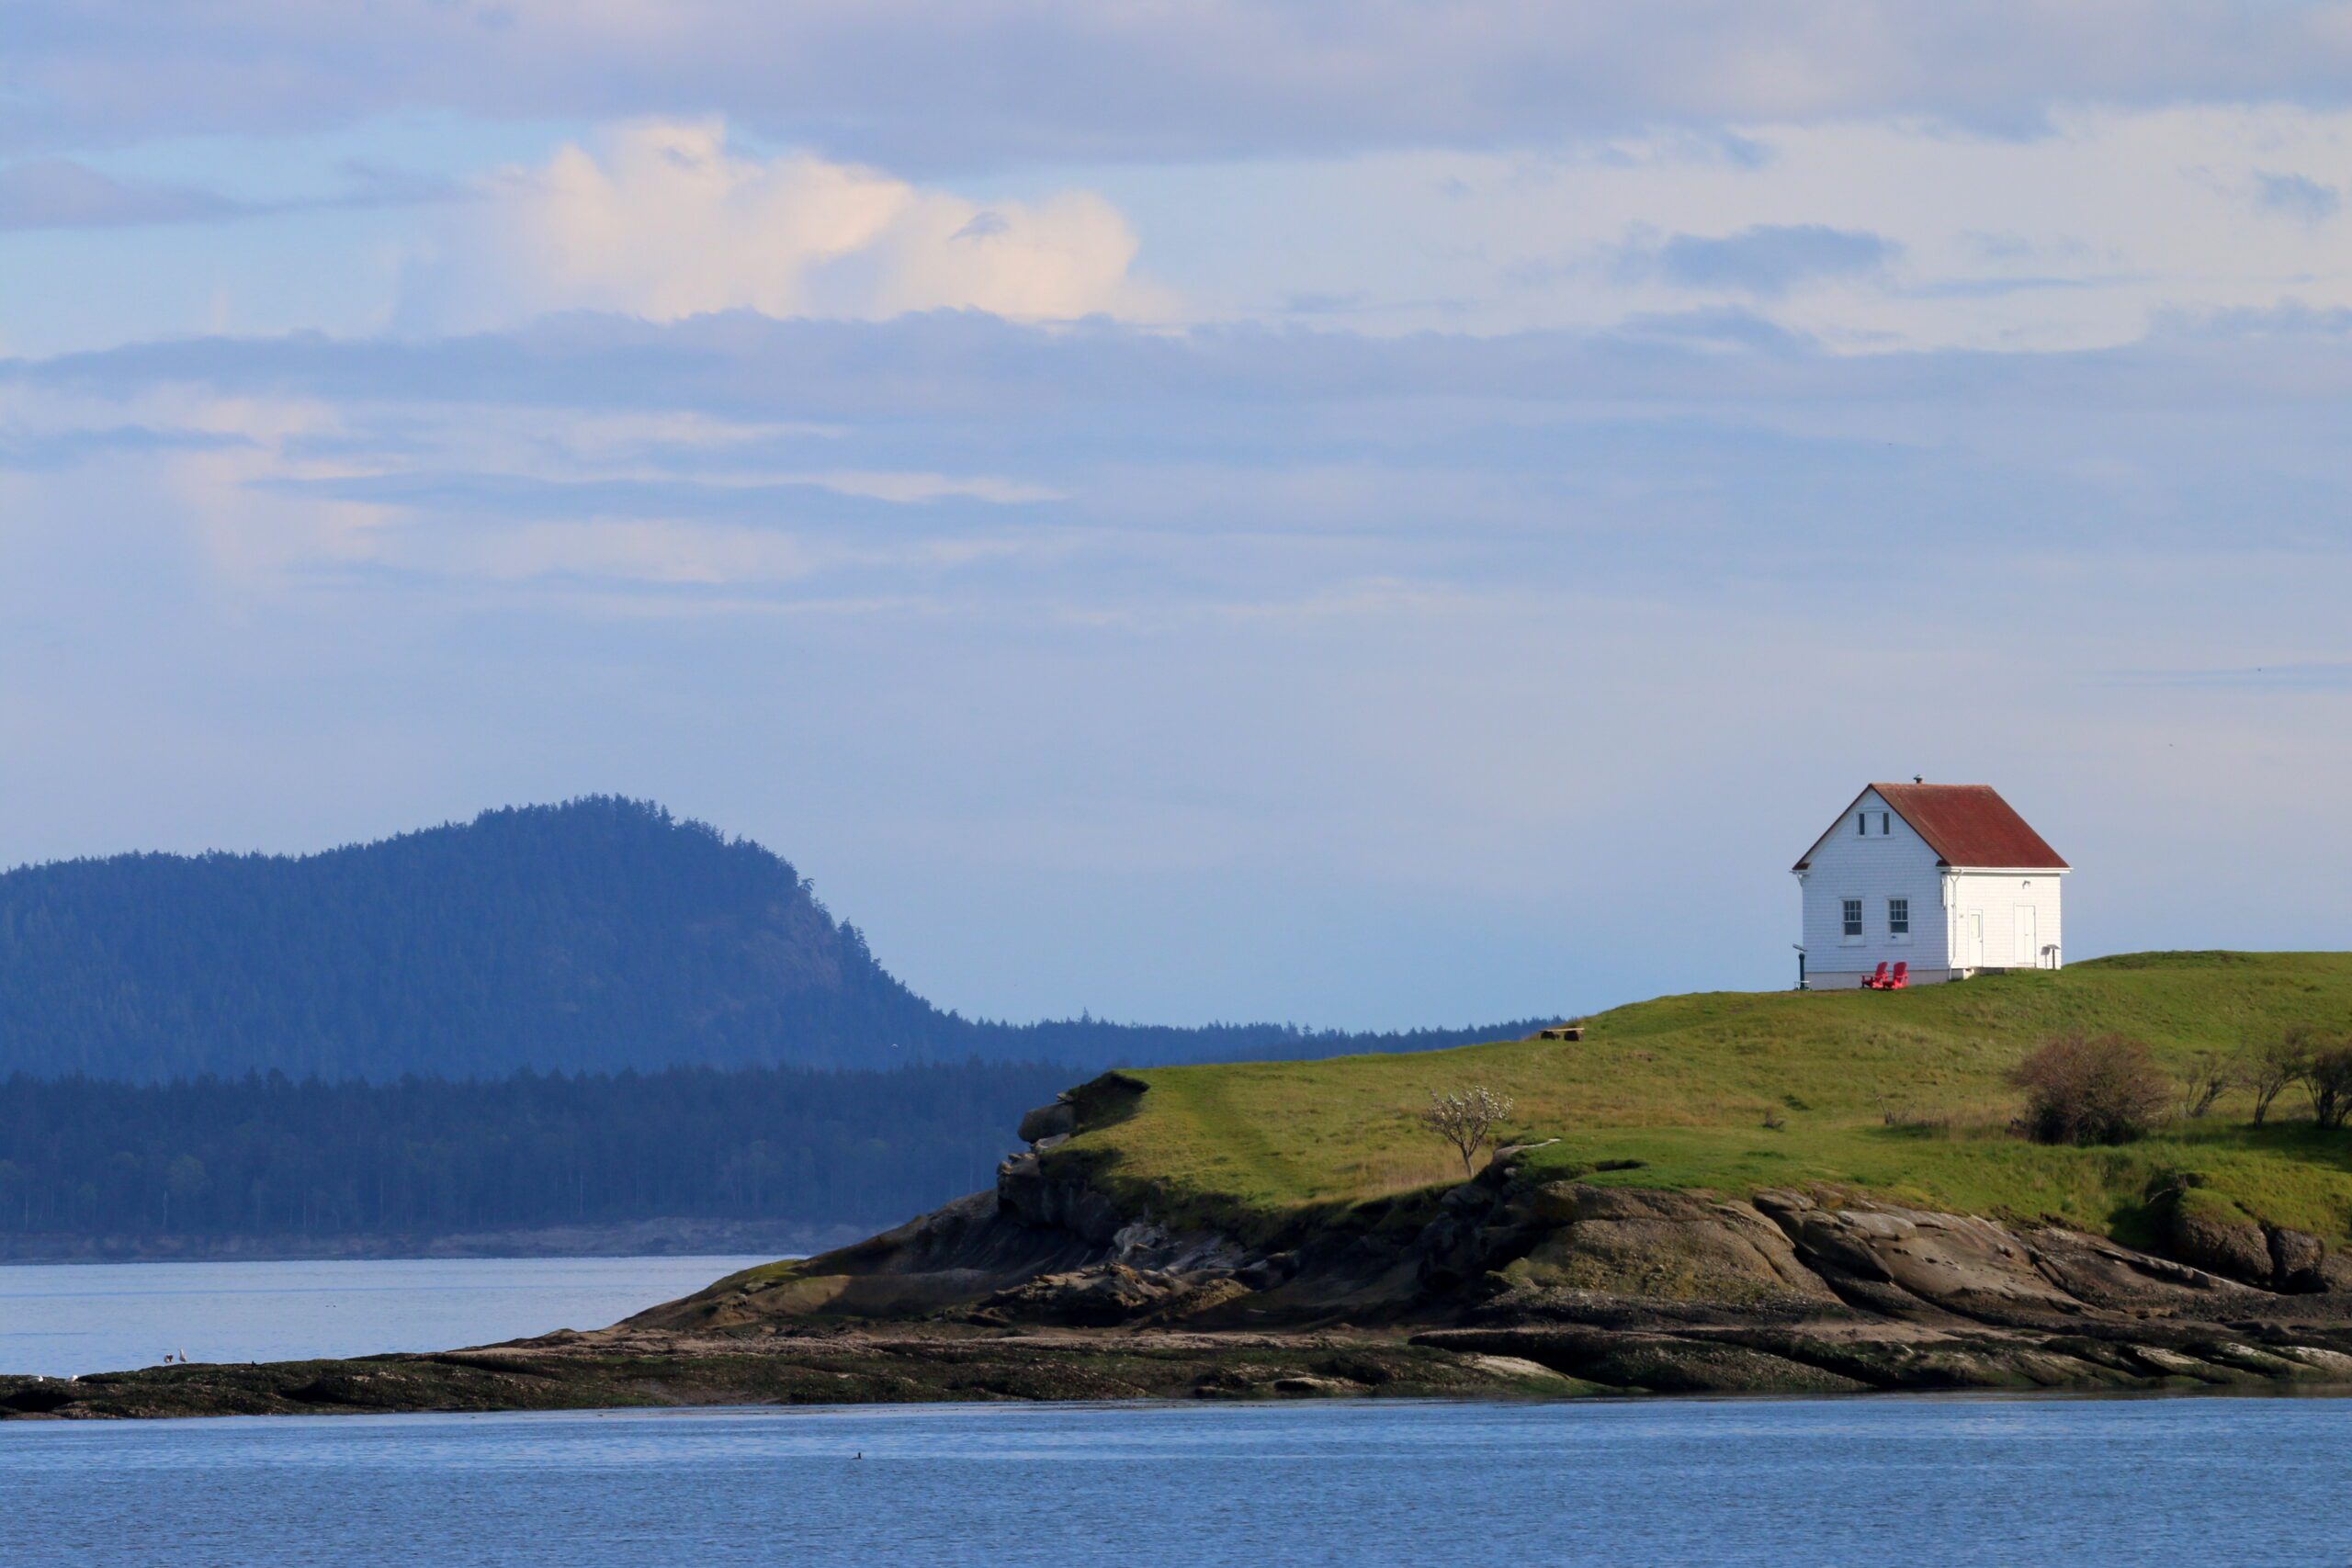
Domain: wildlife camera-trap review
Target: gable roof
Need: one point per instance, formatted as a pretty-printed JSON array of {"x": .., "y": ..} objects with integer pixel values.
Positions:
[{"x": 1965, "y": 825}]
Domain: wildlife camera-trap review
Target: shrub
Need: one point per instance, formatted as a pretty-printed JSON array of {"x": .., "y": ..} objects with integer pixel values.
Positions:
[
  {"x": 2327, "y": 1079},
  {"x": 2083, "y": 1089}
]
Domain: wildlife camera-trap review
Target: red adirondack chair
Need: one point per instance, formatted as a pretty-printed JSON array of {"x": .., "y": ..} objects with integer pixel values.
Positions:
[
  {"x": 1902, "y": 977},
  {"x": 1876, "y": 982}
]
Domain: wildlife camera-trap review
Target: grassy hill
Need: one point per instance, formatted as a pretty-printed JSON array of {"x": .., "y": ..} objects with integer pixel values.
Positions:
[{"x": 1902, "y": 1094}]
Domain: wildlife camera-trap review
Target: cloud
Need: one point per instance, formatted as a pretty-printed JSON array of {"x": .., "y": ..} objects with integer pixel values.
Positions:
[
  {"x": 960, "y": 368},
  {"x": 1863, "y": 235},
  {"x": 60, "y": 193},
  {"x": 813, "y": 481},
  {"x": 911, "y": 84},
  {"x": 2297, "y": 195},
  {"x": 787, "y": 565},
  {"x": 57, "y": 193},
  {"x": 1667, "y": 453},
  {"x": 663, "y": 220},
  {"x": 51, "y": 449},
  {"x": 1766, "y": 261}
]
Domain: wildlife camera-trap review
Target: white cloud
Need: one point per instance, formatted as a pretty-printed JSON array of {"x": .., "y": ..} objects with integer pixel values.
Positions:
[
  {"x": 664, "y": 219},
  {"x": 1294, "y": 570},
  {"x": 1867, "y": 234},
  {"x": 1886, "y": 234}
]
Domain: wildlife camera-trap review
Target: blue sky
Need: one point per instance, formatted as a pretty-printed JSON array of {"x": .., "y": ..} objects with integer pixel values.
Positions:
[{"x": 1197, "y": 511}]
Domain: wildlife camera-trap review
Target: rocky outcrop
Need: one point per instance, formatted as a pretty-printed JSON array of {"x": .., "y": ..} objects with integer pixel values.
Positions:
[
  {"x": 1596, "y": 1285},
  {"x": 1519, "y": 1247},
  {"x": 624, "y": 1368},
  {"x": 1048, "y": 1286},
  {"x": 1058, "y": 1120},
  {"x": 1911, "y": 1265},
  {"x": 1112, "y": 1295},
  {"x": 2218, "y": 1236},
  {"x": 1666, "y": 1247}
]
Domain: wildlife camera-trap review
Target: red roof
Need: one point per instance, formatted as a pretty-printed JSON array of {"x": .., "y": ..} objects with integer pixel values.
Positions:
[{"x": 1966, "y": 825}]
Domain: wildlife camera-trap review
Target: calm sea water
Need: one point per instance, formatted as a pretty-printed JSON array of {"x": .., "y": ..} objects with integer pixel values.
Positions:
[
  {"x": 1751, "y": 1481},
  {"x": 67, "y": 1318},
  {"x": 1755, "y": 1480}
]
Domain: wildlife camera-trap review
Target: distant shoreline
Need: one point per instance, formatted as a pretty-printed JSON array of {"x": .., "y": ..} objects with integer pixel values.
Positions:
[{"x": 641, "y": 1238}]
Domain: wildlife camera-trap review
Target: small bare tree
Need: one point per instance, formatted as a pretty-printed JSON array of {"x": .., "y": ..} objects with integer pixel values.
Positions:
[
  {"x": 2272, "y": 1065},
  {"x": 1467, "y": 1118},
  {"x": 2210, "y": 1075}
]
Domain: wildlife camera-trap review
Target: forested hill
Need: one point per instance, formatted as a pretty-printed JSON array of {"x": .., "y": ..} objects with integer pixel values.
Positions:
[
  {"x": 159, "y": 1166},
  {"x": 600, "y": 935}
]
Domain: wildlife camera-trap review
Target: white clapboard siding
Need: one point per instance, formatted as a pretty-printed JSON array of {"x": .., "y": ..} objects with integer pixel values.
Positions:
[
  {"x": 1874, "y": 855},
  {"x": 1874, "y": 867},
  {"x": 2001, "y": 894}
]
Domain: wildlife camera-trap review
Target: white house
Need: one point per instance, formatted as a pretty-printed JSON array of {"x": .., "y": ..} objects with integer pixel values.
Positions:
[{"x": 1945, "y": 878}]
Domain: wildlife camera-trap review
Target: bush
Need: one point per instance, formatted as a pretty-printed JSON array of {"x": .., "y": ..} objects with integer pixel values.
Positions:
[
  {"x": 2327, "y": 1079},
  {"x": 2091, "y": 1089}
]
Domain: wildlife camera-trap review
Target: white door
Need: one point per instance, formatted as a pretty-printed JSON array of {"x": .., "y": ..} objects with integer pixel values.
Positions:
[
  {"x": 2028, "y": 942},
  {"x": 1971, "y": 939}
]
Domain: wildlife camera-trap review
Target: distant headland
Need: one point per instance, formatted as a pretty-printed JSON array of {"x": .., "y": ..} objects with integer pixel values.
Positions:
[{"x": 600, "y": 935}]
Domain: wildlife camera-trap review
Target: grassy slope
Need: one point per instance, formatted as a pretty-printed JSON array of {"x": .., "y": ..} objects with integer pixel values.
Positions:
[{"x": 1684, "y": 1085}]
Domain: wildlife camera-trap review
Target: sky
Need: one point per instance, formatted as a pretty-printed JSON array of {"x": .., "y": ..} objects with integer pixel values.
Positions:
[{"x": 1407, "y": 515}]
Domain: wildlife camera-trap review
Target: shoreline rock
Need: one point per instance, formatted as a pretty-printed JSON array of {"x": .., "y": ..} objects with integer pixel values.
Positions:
[{"x": 1046, "y": 1286}]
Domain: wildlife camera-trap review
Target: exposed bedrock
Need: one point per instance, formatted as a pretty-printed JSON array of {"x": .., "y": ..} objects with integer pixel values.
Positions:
[
  {"x": 2213, "y": 1235},
  {"x": 1046, "y": 1244},
  {"x": 1615, "y": 1286},
  {"x": 1051, "y": 1285},
  {"x": 1045, "y": 1287}
]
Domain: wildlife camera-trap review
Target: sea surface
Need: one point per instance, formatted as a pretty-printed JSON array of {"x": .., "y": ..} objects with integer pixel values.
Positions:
[
  {"x": 1863, "y": 1481},
  {"x": 63, "y": 1319}
]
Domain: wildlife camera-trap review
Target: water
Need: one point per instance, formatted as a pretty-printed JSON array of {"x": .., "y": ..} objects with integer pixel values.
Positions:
[
  {"x": 1959, "y": 1481},
  {"x": 67, "y": 1318},
  {"x": 1753, "y": 1480}
]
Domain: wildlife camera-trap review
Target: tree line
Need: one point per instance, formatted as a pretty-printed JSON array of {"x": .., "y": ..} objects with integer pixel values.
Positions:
[{"x": 267, "y": 1155}]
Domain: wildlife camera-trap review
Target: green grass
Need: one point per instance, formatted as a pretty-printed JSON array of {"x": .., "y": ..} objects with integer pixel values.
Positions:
[{"x": 1677, "y": 1093}]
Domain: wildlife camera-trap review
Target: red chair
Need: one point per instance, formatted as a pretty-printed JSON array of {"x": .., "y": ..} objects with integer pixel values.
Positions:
[
  {"x": 1902, "y": 977},
  {"x": 1876, "y": 982}
]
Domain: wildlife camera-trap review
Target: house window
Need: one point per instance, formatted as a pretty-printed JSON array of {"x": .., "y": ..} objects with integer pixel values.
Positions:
[
  {"x": 1898, "y": 916},
  {"x": 1853, "y": 917}
]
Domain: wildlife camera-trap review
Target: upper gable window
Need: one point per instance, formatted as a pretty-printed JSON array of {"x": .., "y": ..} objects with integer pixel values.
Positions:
[{"x": 1885, "y": 823}]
